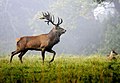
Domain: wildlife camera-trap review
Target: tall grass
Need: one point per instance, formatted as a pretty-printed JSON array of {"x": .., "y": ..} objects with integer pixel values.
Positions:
[{"x": 65, "y": 69}]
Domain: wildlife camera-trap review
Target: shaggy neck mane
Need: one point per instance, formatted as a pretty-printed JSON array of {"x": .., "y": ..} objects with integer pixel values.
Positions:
[{"x": 54, "y": 37}]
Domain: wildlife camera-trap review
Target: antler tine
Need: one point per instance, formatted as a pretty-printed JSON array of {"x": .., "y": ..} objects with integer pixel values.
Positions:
[
  {"x": 61, "y": 21},
  {"x": 50, "y": 18},
  {"x": 48, "y": 13},
  {"x": 53, "y": 19},
  {"x": 45, "y": 13},
  {"x": 42, "y": 13},
  {"x": 58, "y": 22}
]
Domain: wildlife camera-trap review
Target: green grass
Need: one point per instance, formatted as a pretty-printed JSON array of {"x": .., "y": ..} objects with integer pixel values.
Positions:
[{"x": 65, "y": 69}]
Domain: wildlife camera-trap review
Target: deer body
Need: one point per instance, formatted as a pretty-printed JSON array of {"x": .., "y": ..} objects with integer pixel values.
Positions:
[
  {"x": 43, "y": 42},
  {"x": 46, "y": 41}
]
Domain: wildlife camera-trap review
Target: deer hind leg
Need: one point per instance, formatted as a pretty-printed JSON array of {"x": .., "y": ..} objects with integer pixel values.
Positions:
[
  {"x": 43, "y": 55},
  {"x": 13, "y": 53},
  {"x": 21, "y": 55},
  {"x": 54, "y": 53}
]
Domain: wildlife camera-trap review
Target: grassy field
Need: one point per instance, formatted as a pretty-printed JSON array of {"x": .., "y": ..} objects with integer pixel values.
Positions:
[{"x": 65, "y": 69}]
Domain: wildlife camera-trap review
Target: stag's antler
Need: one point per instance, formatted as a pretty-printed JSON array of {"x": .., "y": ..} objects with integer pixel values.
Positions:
[
  {"x": 51, "y": 19},
  {"x": 59, "y": 21},
  {"x": 48, "y": 18}
]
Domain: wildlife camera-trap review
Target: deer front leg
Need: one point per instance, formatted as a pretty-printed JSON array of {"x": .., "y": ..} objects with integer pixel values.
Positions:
[{"x": 54, "y": 53}]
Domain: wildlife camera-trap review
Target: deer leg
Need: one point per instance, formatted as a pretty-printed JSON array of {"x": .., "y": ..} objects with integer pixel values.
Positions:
[
  {"x": 14, "y": 53},
  {"x": 43, "y": 55},
  {"x": 54, "y": 53},
  {"x": 21, "y": 55}
]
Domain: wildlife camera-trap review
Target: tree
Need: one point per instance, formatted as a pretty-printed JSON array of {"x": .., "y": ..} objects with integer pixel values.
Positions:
[
  {"x": 116, "y": 3},
  {"x": 112, "y": 36},
  {"x": 112, "y": 28}
]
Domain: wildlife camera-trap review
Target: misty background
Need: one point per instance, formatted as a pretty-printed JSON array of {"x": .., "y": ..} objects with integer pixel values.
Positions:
[{"x": 93, "y": 26}]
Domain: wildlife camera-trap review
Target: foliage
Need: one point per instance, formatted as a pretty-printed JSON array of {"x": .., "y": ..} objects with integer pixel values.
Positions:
[
  {"x": 112, "y": 35},
  {"x": 74, "y": 11},
  {"x": 65, "y": 69},
  {"x": 98, "y": 1}
]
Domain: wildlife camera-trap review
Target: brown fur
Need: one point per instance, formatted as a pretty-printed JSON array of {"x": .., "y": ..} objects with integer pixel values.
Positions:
[{"x": 43, "y": 42}]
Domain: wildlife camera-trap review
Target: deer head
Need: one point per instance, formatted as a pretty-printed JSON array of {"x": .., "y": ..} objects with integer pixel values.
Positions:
[{"x": 50, "y": 19}]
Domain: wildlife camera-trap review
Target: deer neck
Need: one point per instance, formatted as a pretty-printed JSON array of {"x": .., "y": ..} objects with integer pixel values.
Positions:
[
  {"x": 53, "y": 34},
  {"x": 54, "y": 37}
]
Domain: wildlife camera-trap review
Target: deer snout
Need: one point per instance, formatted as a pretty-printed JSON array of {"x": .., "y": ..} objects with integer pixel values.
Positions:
[{"x": 64, "y": 31}]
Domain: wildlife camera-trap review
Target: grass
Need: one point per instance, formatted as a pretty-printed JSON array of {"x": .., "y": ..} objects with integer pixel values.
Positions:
[{"x": 65, "y": 69}]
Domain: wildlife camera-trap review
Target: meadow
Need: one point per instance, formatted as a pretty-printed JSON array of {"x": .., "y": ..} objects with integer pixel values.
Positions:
[{"x": 65, "y": 69}]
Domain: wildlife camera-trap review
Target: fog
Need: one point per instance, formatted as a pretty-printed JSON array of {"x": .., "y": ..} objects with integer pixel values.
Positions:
[{"x": 84, "y": 35}]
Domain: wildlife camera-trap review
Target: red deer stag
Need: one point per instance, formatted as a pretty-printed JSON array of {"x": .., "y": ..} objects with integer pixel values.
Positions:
[{"x": 43, "y": 42}]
